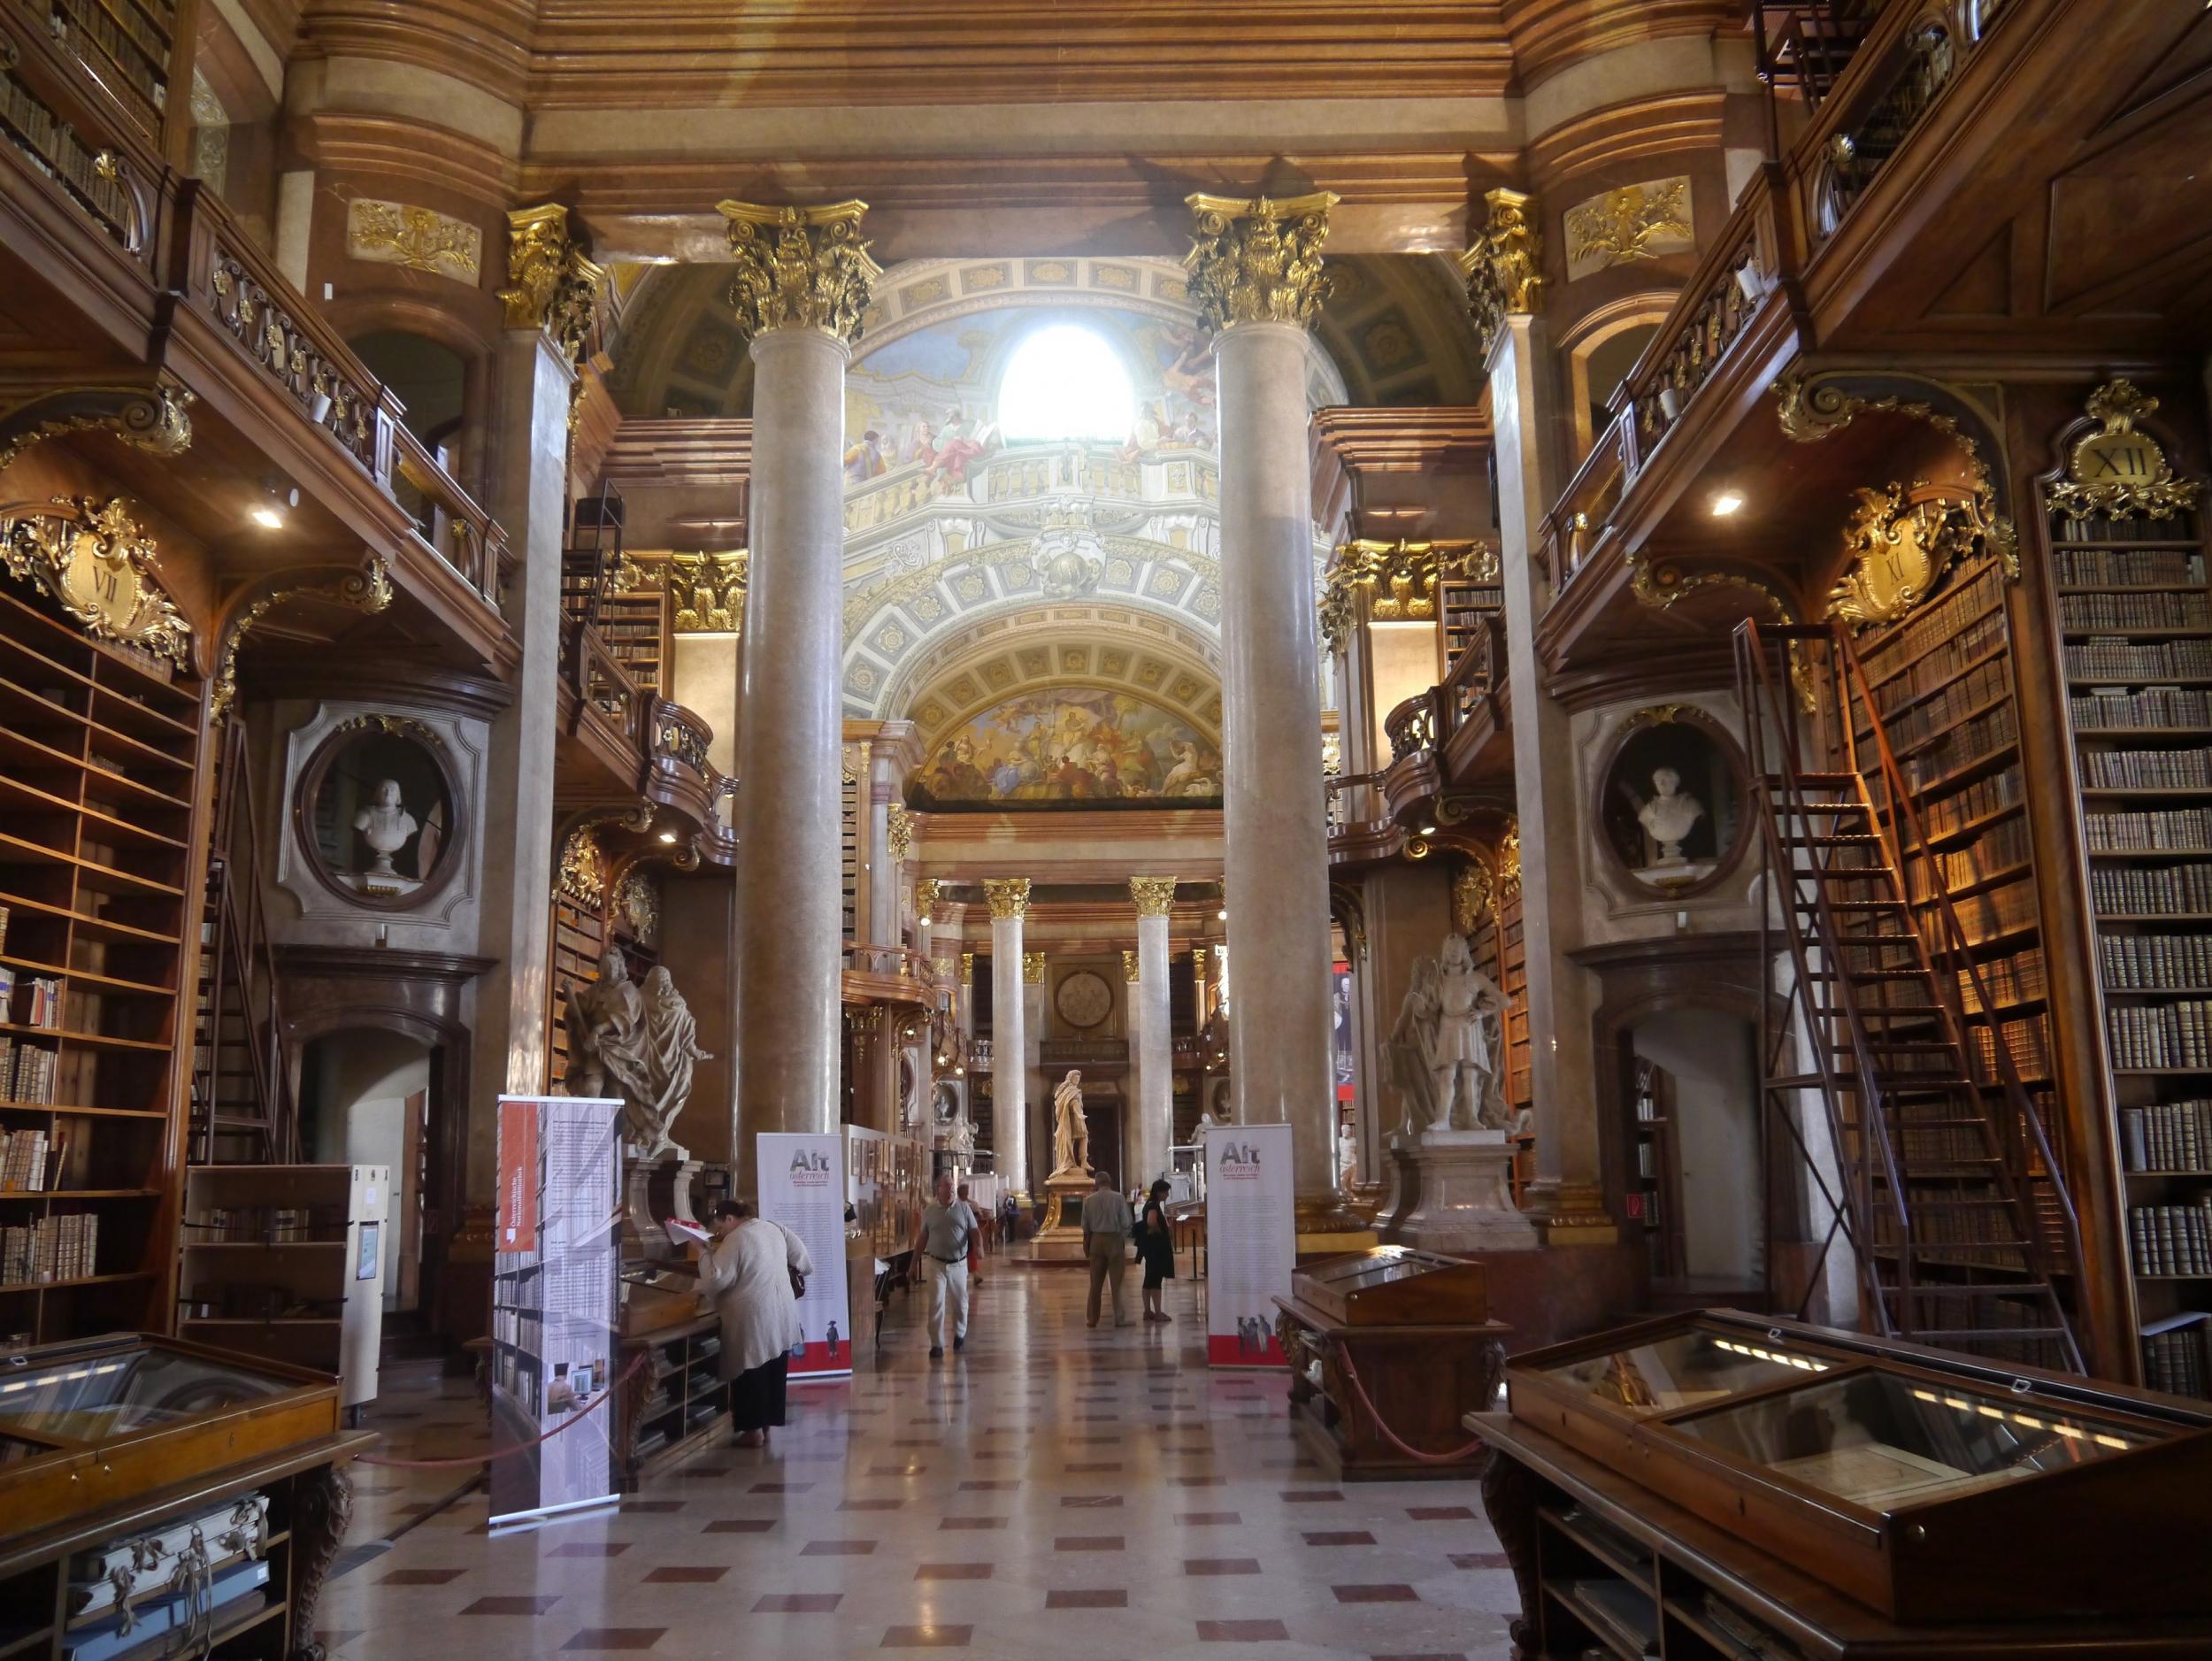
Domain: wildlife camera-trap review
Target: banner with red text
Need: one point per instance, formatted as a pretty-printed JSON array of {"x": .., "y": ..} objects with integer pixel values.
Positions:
[
  {"x": 803, "y": 1187},
  {"x": 1251, "y": 1242}
]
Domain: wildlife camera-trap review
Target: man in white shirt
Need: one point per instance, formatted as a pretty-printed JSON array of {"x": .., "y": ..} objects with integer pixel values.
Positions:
[
  {"x": 943, "y": 1237},
  {"x": 1107, "y": 1226}
]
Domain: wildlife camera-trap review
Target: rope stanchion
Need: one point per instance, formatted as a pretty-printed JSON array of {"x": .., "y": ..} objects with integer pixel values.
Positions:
[
  {"x": 460, "y": 1461},
  {"x": 1392, "y": 1436}
]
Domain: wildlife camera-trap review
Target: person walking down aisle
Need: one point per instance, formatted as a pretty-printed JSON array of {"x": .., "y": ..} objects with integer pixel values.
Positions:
[
  {"x": 1106, "y": 1225},
  {"x": 1156, "y": 1250},
  {"x": 753, "y": 1271},
  {"x": 943, "y": 1237},
  {"x": 975, "y": 1240}
]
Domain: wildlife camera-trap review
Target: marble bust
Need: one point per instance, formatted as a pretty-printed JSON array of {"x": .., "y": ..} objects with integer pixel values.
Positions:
[
  {"x": 1668, "y": 816},
  {"x": 385, "y": 825}
]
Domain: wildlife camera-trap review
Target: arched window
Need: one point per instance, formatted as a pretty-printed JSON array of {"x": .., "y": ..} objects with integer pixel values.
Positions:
[{"x": 1065, "y": 382}]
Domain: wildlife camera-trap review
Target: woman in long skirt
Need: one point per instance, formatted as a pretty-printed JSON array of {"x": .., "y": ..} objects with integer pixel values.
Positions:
[{"x": 748, "y": 1272}]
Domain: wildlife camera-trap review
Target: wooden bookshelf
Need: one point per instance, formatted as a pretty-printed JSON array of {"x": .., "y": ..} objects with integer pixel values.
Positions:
[
  {"x": 1461, "y": 607},
  {"x": 580, "y": 935},
  {"x": 99, "y": 780},
  {"x": 1655, "y": 1176},
  {"x": 634, "y": 628},
  {"x": 2132, "y": 611}
]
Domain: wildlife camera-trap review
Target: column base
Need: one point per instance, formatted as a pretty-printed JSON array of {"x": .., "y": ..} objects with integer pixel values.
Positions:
[
  {"x": 1327, "y": 1226},
  {"x": 1571, "y": 1214}
]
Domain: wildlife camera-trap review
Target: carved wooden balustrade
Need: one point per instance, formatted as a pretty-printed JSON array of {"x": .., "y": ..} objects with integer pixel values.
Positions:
[
  {"x": 894, "y": 974},
  {"x": 448, "y": 522}
]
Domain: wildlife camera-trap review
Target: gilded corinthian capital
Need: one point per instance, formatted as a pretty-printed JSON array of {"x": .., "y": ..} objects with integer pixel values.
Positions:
[
  {"x": 1505, "y": 267},
  {"x": 799, "y": 267},
  {"x": 1154, "y": 895},
  {"x": 1007, "y": 896},
  {"x": 1259, "y": 261},
  {"x": 551, "y": 284}
]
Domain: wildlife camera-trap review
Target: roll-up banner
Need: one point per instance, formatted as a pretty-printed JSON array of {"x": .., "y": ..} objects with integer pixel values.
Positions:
[
  {"x": 555, "y": 1276},
  {"x": 1251, "y": 1242},
  {"x": 803, "y": 1187}
]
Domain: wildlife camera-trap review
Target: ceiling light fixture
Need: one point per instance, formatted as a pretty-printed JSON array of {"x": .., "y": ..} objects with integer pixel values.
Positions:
[
  {"x": 267, "y": 518},
  {"x": 1428, "y": 830},
  {"x": 668, "y": 836},
  {"x": 1726, "y": 503},
  {"x": 1222, "y": 916}
]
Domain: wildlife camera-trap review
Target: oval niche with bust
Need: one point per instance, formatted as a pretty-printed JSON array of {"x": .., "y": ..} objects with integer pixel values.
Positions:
[
  {"x": 1671, "y": 800},
  {"x": 380, "y": 813}
]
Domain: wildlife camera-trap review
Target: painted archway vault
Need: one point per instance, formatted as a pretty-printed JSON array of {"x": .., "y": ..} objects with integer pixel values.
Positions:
[{"x": 1069, "y": 744}]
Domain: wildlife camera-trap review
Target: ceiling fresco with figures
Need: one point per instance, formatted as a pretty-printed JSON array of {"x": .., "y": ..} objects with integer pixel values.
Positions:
[{"x": 1070, "y": 745}]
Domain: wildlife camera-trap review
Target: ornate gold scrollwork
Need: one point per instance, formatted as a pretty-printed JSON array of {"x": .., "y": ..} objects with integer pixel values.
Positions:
[
  {"x": 367, "y": 590},
  {"x": 1347, "y": 911},
  {"x": 1257, "y": 260},
  {"x": 1505, "y": 268},
  {"x": 1623, "y": 225},
  {"x": 1509, "y": 863},
  {"x": 2120, "y": 470},
  {"x": 582, "y": 872},
  {"x": 1900, "y": 549},
  {"x": 1662, "y": 584},
  {"x": 551, "y": 285},
  {"x": 799, "y": 267},
  {"x": 96, "y": 563},
  {"x": 1155, "y": 896},
  {"x": 710, "y": 591},
  {"x": 1007, "y": 896},
  {"x": 967, "y": 967},
  {"x": 1034, "y": 968},
  {"x": 899, "y": 830},
  {"x": 155, "y": 418},
  {"x": 1401, "y": 576},
  {"x": 421, "y": 239},
  {"x": 637, "y": 900},
  {"x": 1129, "y": 968},
  {"x": 1471, "y": 894}
]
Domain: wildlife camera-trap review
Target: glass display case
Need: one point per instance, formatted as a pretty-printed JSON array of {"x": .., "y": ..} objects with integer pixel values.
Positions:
[
  {"x": 1394, "y": 1286},
  {"x": 1928, "y": 1486}
]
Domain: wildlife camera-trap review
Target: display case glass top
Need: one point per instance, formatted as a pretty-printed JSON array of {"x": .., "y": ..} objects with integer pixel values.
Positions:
[
  {"x": 119, "y": 1390},
  {"x": 1883, "y": 1440},
  {"x": 1395, "y": 1286},
  {"x": 1678, "y": 1370}
]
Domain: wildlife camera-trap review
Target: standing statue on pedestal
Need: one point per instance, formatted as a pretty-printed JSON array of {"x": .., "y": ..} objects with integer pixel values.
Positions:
[
  {"x": 1469, "y": 1044},
  {"x": 1410, "y": 1057},
  {"x": 1070, "y": 1137},
  {"x": 671, "y": 1045},
  {"x": 606, "y": 1032}
]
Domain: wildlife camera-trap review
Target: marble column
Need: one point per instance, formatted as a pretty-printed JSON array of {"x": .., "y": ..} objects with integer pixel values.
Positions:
[
  {"x": 892, "y": 752},
  {"x": 1505, "y": 284},
  {"x": 1008, "y": 899},
  {"x": 547, "y": 312},
  {"x": 801, "y": 280},
  {"x": 1152, "y": 1038},
  {"x": 1038, "y": 1087},
  {"x": 1255, "y": 273}
]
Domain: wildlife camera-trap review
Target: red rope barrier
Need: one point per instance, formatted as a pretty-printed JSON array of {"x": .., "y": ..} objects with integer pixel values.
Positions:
[
  {"x": 500, "y": 1453},
  {"x": 1392, "y": 1436}
]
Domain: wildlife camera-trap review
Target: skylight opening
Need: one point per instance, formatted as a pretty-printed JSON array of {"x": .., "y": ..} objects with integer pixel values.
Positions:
[{"x": 1067, "y": 383}]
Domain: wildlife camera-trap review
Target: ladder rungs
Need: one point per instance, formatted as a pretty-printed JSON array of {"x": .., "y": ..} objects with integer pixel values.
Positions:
[{"x": 1986, "y": 1334}]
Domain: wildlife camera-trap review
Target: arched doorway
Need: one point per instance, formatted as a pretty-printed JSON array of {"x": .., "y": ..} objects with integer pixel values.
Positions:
[{"x": 365, "y": 1099}]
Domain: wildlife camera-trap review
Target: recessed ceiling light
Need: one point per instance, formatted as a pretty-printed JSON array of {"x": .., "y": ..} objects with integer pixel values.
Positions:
[
  {"x": 1222, "y": 916},
  {"x": 1726, "y": 503},
  {"x": 1428, "y": 830},
  {"x": 668, "y": 836},
  {"x": 268, "y": 517}
]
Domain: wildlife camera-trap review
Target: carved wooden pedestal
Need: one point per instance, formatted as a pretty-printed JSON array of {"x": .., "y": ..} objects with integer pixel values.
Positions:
[{"x": 1413, "y": 1383}]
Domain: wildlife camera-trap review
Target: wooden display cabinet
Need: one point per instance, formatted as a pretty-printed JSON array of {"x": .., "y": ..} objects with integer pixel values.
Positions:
[
  {"x": 676, "y": 1403},
  {"x": 1388, "y": 1349},
  {"x": 1924, "y": 1493},
  {"x": 114, "y": 1438}
]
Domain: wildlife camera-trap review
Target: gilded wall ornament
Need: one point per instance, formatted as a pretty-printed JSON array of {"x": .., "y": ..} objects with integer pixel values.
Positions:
[
  {"x": 421, "y": 239},
  {"x": 368, "y": 590},
  {"x": 899, "y": 831},
  {"x": 710, "y": 591},
  {"x": 1900, "y": 549},
  {"x": 1662, "y": 584},
  {"x": 1129, "y": 968},
  {"x": 1155, "y": 896},
  {"x": 1639, "y": 222},
  {"x": 1504, "y": 269},
  {"x": 2119, "y": 471},
  {"x": 637, "y": 902},
  {"x": 1255, "y": 260},
  {"x": 1401, "y": 577},
  {"x": 799, "y": 267},
  {"x": 1007, "y": 896},
  {"x": 1471, "y": 892},
  {"x": 967, "y": 967},
  {"x": 94, "y": 561},
  {"x": 551, "y": 285},
  {"x": 1509, "y": 865},
  {"x": 926, "y": 898},
  {"x": 1034, "y": 968},
  {"x": 582, "y": 873},
  {"x": 155, "y": 418}
]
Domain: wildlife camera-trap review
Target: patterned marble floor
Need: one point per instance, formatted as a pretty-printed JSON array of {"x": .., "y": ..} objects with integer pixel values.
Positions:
[{"x": 1050, "y": 1492}]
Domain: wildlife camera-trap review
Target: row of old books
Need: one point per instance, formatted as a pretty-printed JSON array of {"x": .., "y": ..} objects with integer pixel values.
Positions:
[
  {"x": 2117, "y": 658},
  {"x": 2171, "y": 1239},
  {"x": 2138, "y": 889},
  {"x": 2162, "y": 1034},
  {"x": 2151, "y": 567},
  {"x": 34, "y": 1001},
  {"x": 2146, "y": 769},
  {"x": 2174, "y": 1136},
  {"x": 2177, "y": 830},
  {"x": 2113, "y": 709},
  {"x": 2002, "y": 846},
  {"x": 26, "y": 1073},
  {"x": 2028, "y": 1038},
  {"x": 2152, "y": 609},
  {"x": 1971, "y": 690},
  {"x": 2009, "y": 979},
  {"x": 2174, "y": 1357},
  {"x": 1998, "y": 911},
  {"x": 26, "y": 1159},
  {"x": 1979, "y": 800},
  {"x": 1953, "y": 635},
  {"x": 2154, "y": 963},
  {"x": 1964, "y": 746},
  {"x": 63, "y": 1248}
]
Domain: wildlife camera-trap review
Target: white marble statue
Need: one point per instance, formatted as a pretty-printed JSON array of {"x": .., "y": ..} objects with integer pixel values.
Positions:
[
  {"x": 670, "y": 1046},
  {"x": 638, "y": 1048},
  {"x": 1070, "y": 1137},
  {"x": 606, "y": 1032},
  {"x": 1408, "y": 1055},
  {"x": 1469, "y": 1044},
  {"x": 1668, "y": 816},
  {"x": 1346, "y": 1157},
  {"x": 385, "y": 825}
]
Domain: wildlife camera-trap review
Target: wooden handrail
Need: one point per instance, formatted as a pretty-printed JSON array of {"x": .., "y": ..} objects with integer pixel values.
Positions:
[{"x": 447, "y": 520}]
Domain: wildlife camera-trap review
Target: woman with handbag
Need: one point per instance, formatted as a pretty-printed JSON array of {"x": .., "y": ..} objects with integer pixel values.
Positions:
[
  {"x": 754, "y": 1271},
  {"x": 1156, "y": 1250}
]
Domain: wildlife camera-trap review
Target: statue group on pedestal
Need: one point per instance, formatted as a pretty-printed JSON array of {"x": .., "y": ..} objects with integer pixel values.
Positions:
[
  {"x": 639, "y": 1044},
  {"x": 1447, "y": 1054}
]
